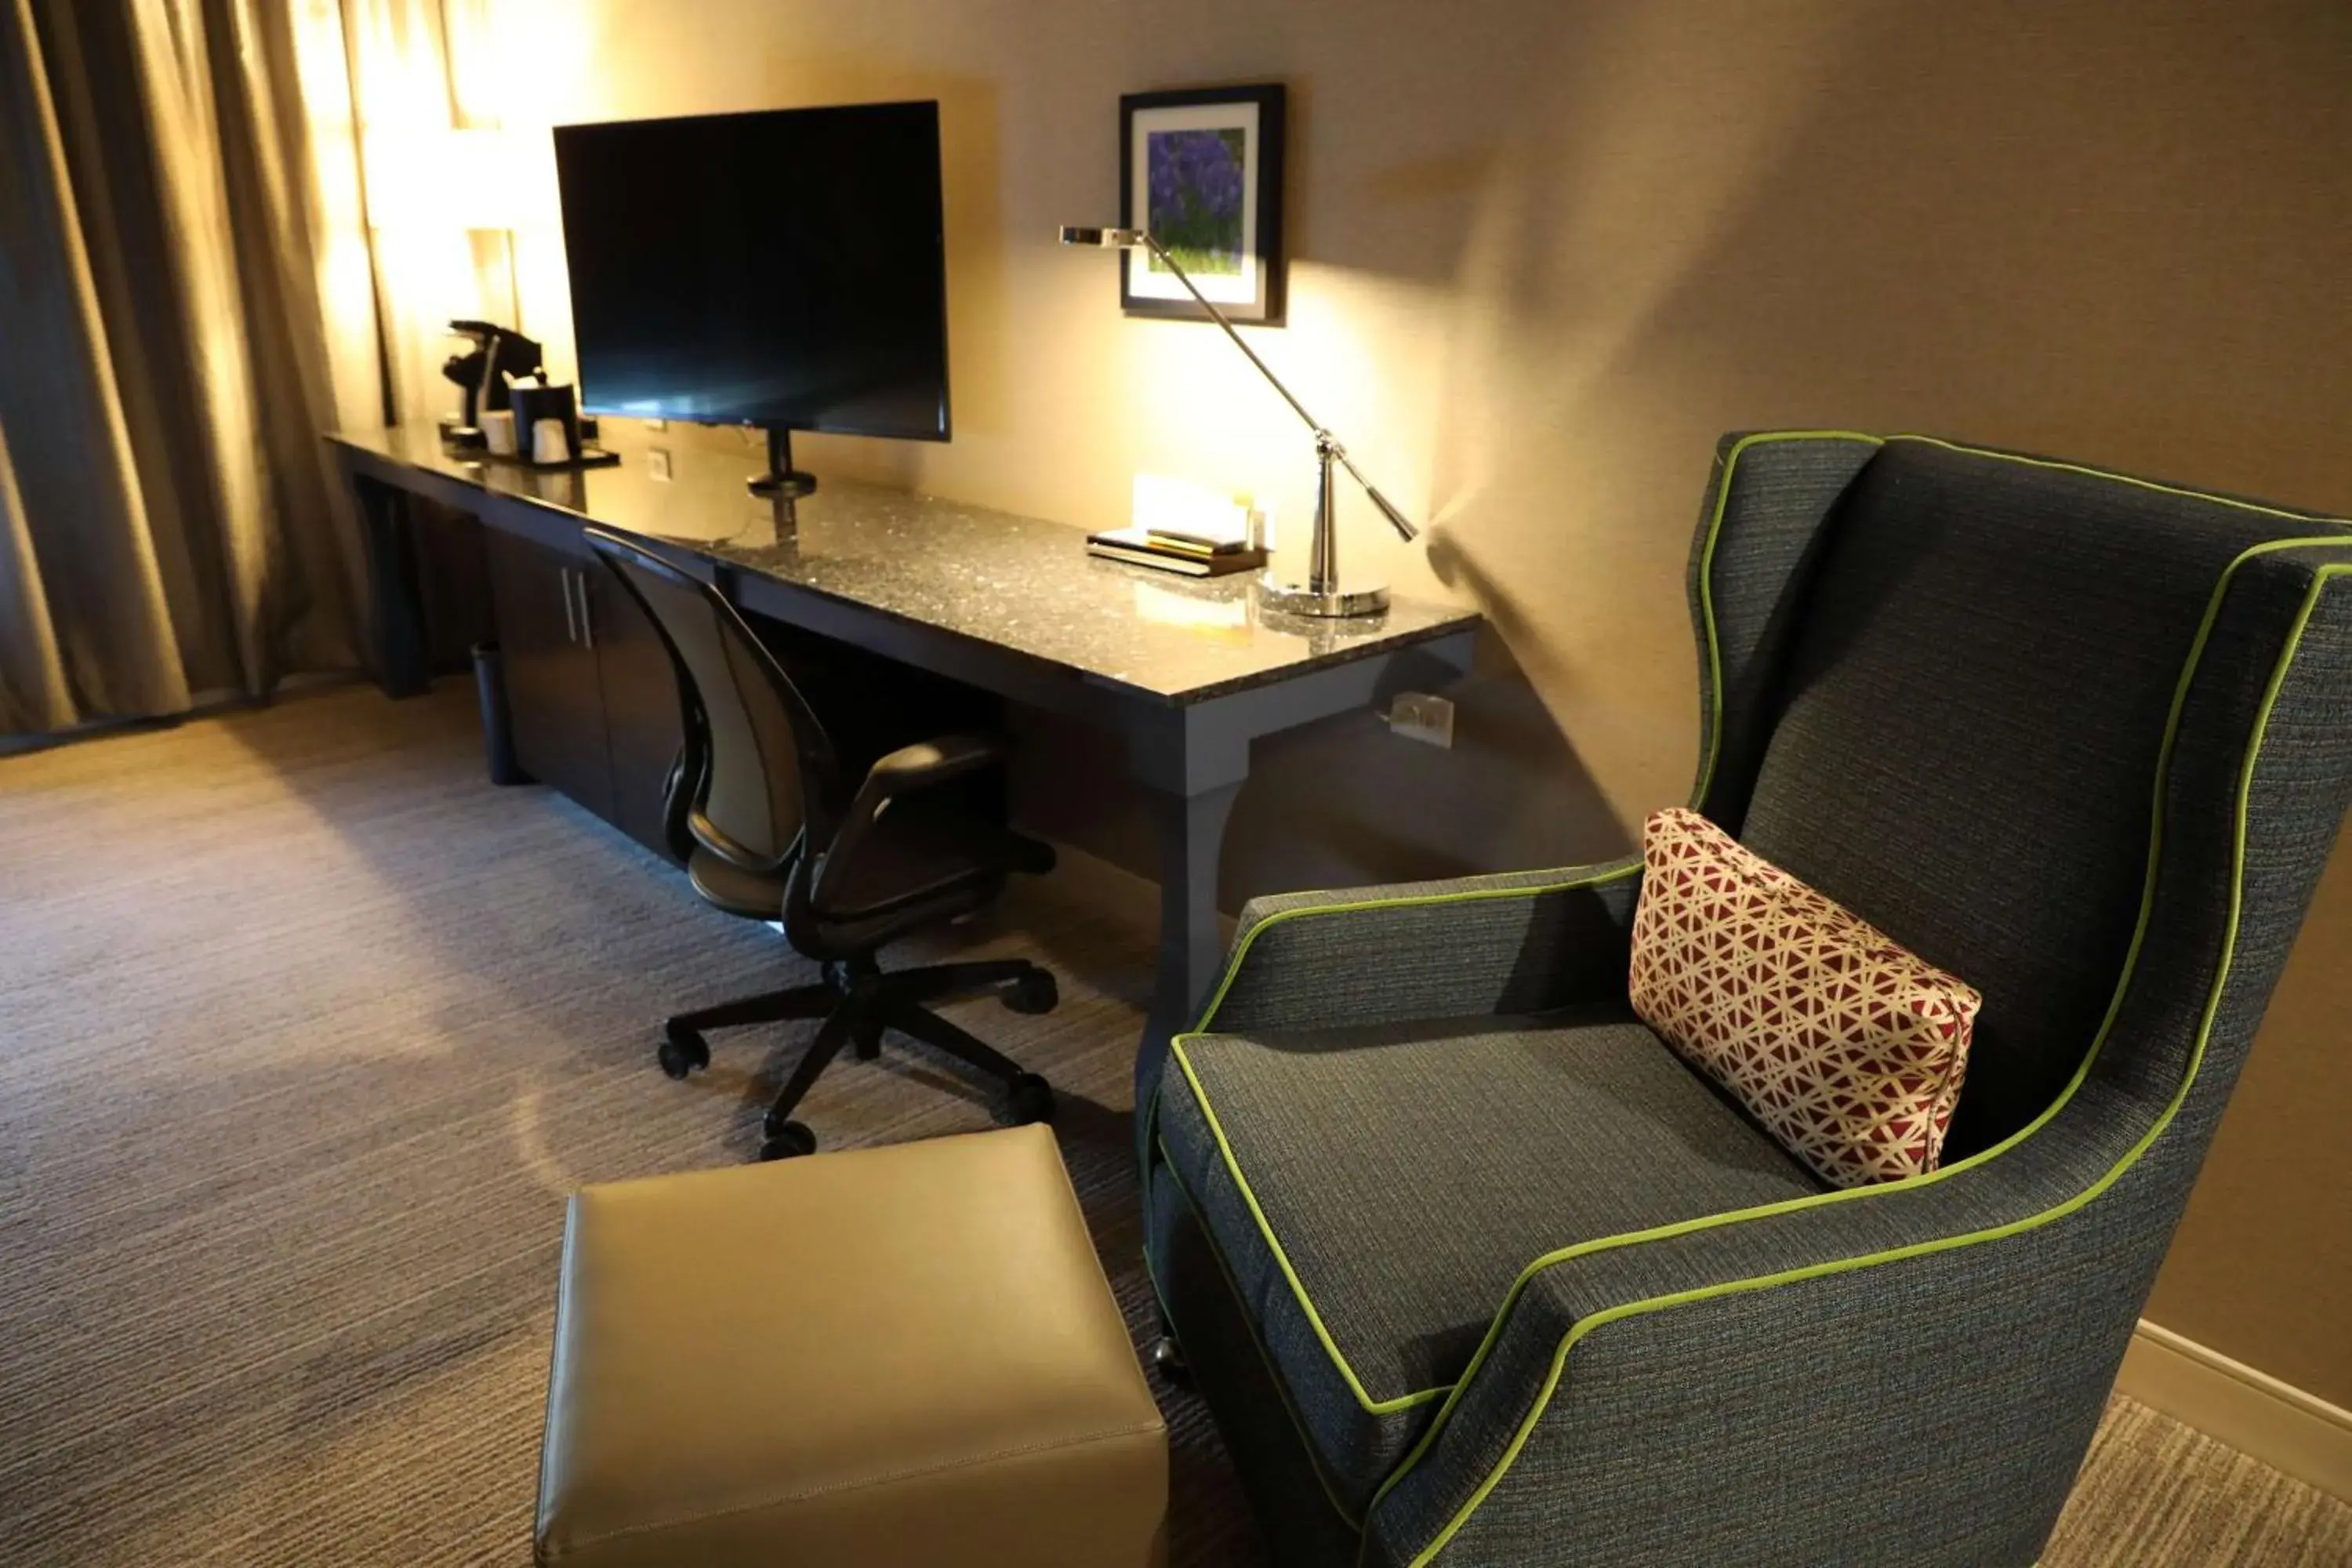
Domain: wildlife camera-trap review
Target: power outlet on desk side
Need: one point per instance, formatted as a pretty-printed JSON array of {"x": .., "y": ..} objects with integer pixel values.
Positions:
[{"x": 1418, "y": 716}]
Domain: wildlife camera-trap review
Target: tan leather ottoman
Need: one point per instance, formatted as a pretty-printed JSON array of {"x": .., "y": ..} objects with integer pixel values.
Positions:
[{"x": 889, "y": 1356}]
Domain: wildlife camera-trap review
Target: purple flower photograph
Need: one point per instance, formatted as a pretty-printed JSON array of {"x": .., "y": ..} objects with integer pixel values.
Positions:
[
  {"x": 1200, "y": 169},
  {"x": 1195, "y": 200}
]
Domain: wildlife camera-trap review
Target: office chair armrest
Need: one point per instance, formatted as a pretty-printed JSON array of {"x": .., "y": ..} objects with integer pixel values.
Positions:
[
  {"x": 929, "y": 763},
  {"x": 682, "y": 787},
  {"x": 909, "y": 770},
  {"x": 1516, "y": 942}
]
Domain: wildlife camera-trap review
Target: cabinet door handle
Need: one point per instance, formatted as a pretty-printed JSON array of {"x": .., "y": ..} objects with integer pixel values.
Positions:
[
  {"x": 570, "y": 617},
  {"x": 587, "y": 613}
]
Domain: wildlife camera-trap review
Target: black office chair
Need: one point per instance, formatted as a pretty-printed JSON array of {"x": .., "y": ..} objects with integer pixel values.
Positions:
[{"x": 761, "y": 812}]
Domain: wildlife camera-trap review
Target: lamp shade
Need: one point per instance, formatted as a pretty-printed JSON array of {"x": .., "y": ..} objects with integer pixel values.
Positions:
[{"x": 459, "y": 179}]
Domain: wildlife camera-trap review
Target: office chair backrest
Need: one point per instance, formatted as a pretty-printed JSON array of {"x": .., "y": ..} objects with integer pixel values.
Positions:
[
  {"x": 759, "y": 767},
  {"x": 1948, "y": 686}
]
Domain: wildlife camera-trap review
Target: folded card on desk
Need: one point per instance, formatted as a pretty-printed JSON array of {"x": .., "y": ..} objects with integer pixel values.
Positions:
[
  {"x": 1188, "y": 528},
  {"x": 1187, "y": 553}
]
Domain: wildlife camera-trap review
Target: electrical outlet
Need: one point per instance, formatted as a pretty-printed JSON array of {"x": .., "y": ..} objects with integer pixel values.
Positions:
[
  {"x": 1418, "y": 716},
  {"x": 657, "y": 462}
]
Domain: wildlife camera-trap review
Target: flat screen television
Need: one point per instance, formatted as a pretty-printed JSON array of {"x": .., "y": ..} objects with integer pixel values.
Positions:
[{"x": 784, "y": 268}]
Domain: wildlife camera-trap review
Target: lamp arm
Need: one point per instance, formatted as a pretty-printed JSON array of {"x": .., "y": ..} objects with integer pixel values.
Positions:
[
  {"x": 1151, "y": 242},
  {"x": 1397, "y": 519},
  {"x": 1323, "y": 438}
]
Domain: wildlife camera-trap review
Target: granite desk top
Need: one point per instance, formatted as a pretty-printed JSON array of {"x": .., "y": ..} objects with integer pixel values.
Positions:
[{"x": 1018, "y": 583}]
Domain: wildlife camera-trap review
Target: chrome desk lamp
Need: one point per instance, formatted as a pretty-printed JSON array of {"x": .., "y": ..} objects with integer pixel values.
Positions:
[{"x": 1322, "y": 592}]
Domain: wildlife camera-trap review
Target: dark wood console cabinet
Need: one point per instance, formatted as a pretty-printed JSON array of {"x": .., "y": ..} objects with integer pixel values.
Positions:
[{"x": 592, "y": 701}]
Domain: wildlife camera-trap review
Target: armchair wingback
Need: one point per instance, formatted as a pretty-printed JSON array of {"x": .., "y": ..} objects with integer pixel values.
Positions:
[{"x": 1472, "y": 1270}]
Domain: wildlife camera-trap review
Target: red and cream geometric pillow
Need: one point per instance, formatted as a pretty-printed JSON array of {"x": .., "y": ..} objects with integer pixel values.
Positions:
[{"x": 1846, "y": 1046}]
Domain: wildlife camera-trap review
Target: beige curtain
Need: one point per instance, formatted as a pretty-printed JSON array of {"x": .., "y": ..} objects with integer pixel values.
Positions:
[{"x": 170, "y": 531}]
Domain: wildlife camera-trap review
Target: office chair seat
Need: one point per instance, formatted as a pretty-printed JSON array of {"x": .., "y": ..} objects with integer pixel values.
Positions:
[{"x": 917, "y": 868}]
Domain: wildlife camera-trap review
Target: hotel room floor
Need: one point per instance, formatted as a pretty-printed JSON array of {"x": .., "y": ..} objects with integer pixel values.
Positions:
[{"x": 308, "y": 1032}]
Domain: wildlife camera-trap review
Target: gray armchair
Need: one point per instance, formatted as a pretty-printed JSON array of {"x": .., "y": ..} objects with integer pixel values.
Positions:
[{"x": 1472, "y": 1269}]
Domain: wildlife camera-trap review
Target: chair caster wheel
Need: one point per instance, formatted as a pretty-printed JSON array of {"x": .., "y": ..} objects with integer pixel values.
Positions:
[
  {"x": 788, "y": 1142},
  {"x": 1168, "y": 1361},
  {"x": 1030, "y": 1099},
  {"x": 1034, "y": 991},
  {"x": 683, "y": 1051}
]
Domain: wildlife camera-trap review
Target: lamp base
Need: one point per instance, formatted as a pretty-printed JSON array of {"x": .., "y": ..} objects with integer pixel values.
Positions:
[
  {"x": 788, "y": 484},
  {"x": 1293, "y": 597}
]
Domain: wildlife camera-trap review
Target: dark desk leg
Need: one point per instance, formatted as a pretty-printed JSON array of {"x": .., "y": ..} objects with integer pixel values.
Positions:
[
  {"x": 396, "y": 645},
  {"x": 1191, "y": 831},
  {"x": 1191, "y": 761},
  {"x": 1190, "y": 769}
]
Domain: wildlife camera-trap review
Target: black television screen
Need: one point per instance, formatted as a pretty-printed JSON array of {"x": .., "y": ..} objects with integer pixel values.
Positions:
[{"x": 784, "y": 268}]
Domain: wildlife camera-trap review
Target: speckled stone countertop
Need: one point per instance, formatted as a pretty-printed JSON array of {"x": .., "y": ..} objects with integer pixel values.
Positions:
[{"x": 1019, "y": 583}]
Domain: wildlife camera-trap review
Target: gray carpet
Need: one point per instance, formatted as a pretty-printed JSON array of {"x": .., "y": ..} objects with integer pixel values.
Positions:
[{"x": 307, "y": 1034}]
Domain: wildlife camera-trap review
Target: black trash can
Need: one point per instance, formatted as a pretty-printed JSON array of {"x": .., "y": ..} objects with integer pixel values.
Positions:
[{"x": 497, "y": 734}]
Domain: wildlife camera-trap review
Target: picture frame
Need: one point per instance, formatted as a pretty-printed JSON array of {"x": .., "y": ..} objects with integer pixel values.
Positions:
[{"x": 1202, "y": 170}]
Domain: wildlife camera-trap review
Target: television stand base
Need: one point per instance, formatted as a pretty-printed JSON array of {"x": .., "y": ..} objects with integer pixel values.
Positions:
[{"x": 781, "y": 479}]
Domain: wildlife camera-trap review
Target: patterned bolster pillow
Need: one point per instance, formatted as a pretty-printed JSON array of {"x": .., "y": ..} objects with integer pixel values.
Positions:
[{"x": 1846, "y": 1046}]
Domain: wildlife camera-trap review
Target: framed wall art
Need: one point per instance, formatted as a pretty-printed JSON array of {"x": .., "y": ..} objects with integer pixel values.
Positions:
[{"x": 1202, "y": 170}]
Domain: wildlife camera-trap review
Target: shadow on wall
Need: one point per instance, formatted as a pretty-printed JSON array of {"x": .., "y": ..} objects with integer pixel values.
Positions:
[
  {"x": 1320, "y": 807},
  {"x": 1564, "y": 473},
  {"x": 980, "y": 331},
  {"x": 1512, "y": 793},
  {"x": 1551, "y": 248},
  {"x": 2017, "y": 226}
]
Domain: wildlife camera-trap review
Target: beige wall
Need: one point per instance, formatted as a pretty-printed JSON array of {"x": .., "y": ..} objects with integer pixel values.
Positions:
[{"x": 1545, "y": 251}]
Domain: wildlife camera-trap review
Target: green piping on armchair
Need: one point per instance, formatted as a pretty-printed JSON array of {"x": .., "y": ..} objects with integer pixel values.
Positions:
[{"x": 1452, "y": 1391}]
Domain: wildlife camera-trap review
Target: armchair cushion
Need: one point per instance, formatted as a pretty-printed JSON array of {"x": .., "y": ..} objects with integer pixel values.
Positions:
[
  {"x": 1847, "y": 1046},
  {"x": 1375, "y": 1190}
]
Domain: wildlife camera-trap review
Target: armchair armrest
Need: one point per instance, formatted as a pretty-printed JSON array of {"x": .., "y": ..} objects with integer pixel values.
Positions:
[
  {"x": 1517, "y": 942},
  {"x": 1987, "y": 1303},
  {"x": 908, "y": 770}
]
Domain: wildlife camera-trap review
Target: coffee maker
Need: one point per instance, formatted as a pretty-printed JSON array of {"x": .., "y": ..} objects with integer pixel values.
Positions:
[{"x": 498, "y": 354}]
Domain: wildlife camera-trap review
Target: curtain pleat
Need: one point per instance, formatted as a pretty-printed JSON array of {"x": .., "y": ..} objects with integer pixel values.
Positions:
[
  {"x": 174, "y": 509},
  {"x": 33, "y": 695},
  {"x": 80, "y": 512}
]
